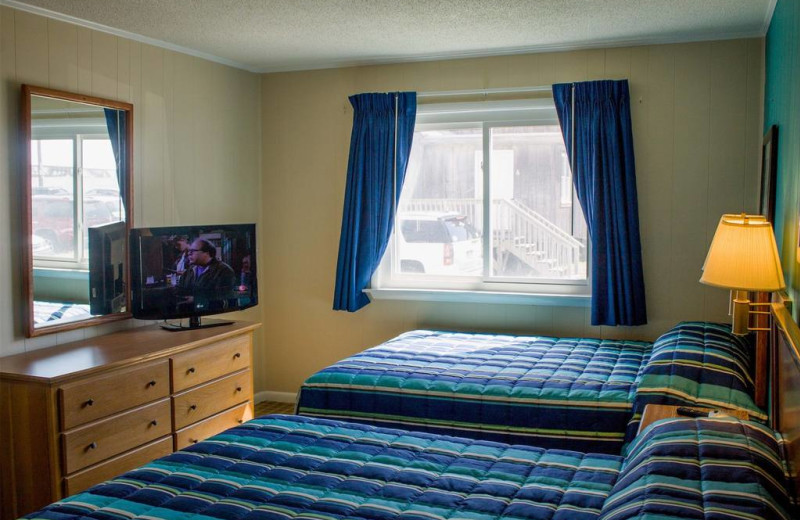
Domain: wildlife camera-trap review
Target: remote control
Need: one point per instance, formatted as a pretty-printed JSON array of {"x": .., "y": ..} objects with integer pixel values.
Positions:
[{"x": 691, "y": 412}]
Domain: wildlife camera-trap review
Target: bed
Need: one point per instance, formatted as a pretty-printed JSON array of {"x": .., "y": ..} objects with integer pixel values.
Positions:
[
  {"x": 279, "y": 467},
  {"x": 45, "y": 312},
  {"x": 583, "y": 394}
]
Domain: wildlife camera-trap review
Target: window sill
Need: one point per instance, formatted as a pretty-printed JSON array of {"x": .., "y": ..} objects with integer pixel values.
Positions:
[
  {"x": 461, "y": 296},
  {"x": 61, "y": 273}
]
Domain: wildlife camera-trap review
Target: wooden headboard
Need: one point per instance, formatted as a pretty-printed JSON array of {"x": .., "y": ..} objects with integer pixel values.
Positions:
[{"x": 785, "y": 417}]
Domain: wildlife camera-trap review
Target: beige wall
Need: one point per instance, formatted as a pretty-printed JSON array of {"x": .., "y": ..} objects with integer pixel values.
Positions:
[
  {"x": 697, "y": 119},
  {"x": 196, "y": 143}
]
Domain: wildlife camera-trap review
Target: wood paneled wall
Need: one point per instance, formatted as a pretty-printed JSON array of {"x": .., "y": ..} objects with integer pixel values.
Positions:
[
  {"x": 196, "y": 143},
  {"x": 697, "y": 118}
]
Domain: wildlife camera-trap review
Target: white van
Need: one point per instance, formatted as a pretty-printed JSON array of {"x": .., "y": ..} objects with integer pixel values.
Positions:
[{"x": 439, "y": 243}]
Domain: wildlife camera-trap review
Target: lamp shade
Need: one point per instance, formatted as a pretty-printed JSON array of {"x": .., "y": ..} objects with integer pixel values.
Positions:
[{"x": 743, "y": 255}]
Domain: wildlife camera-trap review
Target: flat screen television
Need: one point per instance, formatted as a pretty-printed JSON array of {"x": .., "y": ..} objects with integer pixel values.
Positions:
[
  {"x": 192, "y": 271},
  {"x": 107, "y": 255}
]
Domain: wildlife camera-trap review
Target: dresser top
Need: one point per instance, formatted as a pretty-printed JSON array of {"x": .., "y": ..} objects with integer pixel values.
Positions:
[{"x": 119, "y": 348}]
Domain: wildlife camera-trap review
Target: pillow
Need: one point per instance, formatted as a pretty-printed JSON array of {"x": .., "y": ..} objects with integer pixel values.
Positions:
[
  {"x": 702, "y": 468},
  {"x": 700, "y": 364}
]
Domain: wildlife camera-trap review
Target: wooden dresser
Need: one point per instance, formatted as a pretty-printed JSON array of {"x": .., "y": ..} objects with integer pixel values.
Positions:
[{"x": 80, "y": 413}]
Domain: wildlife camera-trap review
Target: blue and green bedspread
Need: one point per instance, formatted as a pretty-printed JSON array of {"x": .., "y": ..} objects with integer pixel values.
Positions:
[
  {"x": 569, "y": 393},
  {"x": 281, "y": 467},
  {"x": 706, "y": 469},
  {"x": 698, "y": 364},
  {"x": 285, "y": 467}
]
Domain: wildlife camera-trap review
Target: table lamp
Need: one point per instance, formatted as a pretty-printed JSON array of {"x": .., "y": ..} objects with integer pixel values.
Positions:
[{"x": 743, "y": 257}]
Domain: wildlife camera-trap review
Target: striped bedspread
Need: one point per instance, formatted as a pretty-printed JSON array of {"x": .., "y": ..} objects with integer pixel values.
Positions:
[
  {"x": 556, "y": 393},
  {"x": 288, "y": 467},
  {"x": 283, "y": 467},
  {"x": 702, "y": 469},
  {"x": 698, "y": 364},
  {"x": 44, "y": 312}
]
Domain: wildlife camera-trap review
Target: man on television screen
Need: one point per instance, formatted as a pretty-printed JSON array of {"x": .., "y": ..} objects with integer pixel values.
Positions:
[
  {"x": 182, "y": 262},
  {"x": 207, "y": 279}
]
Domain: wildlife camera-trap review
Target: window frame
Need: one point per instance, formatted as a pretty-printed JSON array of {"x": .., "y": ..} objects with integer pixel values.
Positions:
[
  {"x": 486, "y": 288},
  {"x": 78, "y": 261}
]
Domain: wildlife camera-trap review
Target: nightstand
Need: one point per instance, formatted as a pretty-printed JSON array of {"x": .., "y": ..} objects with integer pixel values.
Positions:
[{"x": 655, "y": 412}]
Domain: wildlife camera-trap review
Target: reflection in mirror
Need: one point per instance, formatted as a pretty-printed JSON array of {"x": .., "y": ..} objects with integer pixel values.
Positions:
[{"x": 79, "y": 203}]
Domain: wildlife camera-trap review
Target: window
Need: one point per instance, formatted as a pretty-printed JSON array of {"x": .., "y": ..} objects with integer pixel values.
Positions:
[
  {"x": 488, "y": 204},
  {"x": 74, "y": 187}
]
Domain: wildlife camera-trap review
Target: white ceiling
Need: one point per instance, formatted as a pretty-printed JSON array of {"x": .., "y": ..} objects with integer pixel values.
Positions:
[{"x": 279, "y": 35}]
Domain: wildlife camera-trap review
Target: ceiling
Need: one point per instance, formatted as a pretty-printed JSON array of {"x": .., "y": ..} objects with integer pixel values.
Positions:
[{"x": 281, "y": 35}]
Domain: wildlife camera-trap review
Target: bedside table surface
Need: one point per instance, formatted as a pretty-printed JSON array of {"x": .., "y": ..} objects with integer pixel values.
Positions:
[{"x": 656, "y": 412}]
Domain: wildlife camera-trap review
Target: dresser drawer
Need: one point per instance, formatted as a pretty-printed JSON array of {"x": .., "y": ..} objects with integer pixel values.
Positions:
[
  {"x": 213, "y": 425},
  {"x": 112, "y": 392},
  {"x": 95, "y": 442},
  {"x": 210, "y": 362},
  {"x": 211, "y": 398},
  {"x": 117, "y": 466}
]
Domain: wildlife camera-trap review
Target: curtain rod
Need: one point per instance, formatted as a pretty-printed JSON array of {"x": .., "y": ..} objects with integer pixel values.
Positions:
[{"x": 484, "y": 91}]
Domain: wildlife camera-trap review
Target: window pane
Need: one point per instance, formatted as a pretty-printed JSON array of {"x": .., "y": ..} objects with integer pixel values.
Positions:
[
  {"x": 532, "y": 217},
  {"x": 101, "y": 199},
  {"x": 534, "y": 237},
  {"x": 52, "y": 198},
  {"x": 440, "y": 214}
]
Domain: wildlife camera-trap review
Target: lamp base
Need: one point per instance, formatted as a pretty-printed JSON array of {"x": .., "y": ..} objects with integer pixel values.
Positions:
[{"x": 741, "y": 313}]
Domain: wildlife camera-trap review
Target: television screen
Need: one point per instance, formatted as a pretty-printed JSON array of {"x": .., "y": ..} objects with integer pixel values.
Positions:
[
  {"x": 107, "y": 268},
  {"x": 193, "y": 271}
]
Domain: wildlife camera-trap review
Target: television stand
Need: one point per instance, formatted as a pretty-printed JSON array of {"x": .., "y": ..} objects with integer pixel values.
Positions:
[{"x": 194, "y": 323}]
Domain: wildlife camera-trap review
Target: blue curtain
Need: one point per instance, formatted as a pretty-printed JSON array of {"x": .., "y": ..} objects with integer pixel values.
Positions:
[
  {"x": 116, "y": 122},
  {"x": 383, "y": 127},
  {"x": 605, "y": 183}
]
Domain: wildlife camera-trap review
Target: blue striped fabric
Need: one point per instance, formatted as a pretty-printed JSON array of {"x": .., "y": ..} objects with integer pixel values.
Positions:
[
  {"x": 706, "y": 469},
  {"x": 284, "y": 467},
  {"x": 555, "y": 393},
  {"x": 698, "y": 364}
]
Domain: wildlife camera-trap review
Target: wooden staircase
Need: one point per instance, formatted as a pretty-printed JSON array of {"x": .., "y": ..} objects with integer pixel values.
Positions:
[{"x": 519, "y": 233}]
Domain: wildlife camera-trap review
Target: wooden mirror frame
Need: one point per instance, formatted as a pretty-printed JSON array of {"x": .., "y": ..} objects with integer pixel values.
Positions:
[{"x": 27, "y": 206}]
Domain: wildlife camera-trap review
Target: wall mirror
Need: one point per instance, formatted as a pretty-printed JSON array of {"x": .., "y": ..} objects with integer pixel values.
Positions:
[{"x": 77, "y": 204}]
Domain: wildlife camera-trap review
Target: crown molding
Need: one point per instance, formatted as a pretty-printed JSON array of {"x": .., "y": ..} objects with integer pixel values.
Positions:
[{"x": 125, "y": 34}]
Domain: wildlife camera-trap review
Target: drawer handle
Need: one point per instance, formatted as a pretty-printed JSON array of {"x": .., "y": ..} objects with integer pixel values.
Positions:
[
  {"x": 89, "y": 402},
  {"x": 240, "y": 421},
  {"x": 238, "y": 388},
  {"x": 151, "y": 383},
  {"x": 154, "y": 422},
  {"x": 190, "y": 371},
  {"x": 92, "y": 446},
  {"x": 194, "y": 441},
  {"x": 193, "y": 407},
  {"x": 237, "y": 356}
]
